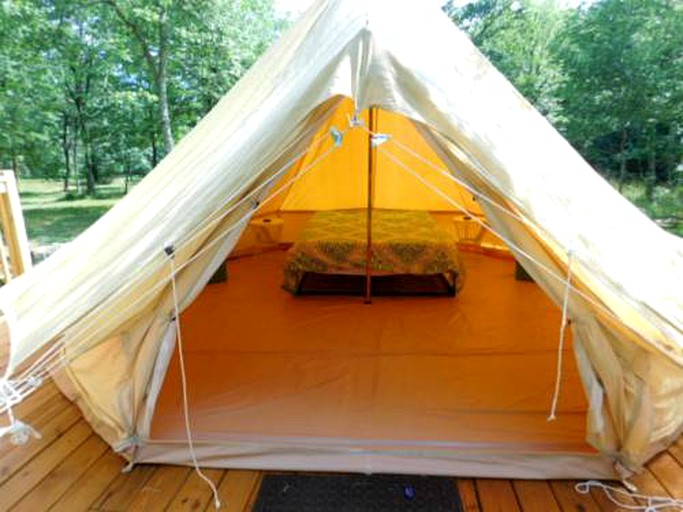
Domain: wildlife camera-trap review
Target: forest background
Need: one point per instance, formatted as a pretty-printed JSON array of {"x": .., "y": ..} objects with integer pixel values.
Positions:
[{"x": 93, "y": 93}]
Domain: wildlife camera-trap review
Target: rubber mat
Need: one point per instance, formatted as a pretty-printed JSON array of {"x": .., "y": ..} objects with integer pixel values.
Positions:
[{"x": 357, "y": 493}]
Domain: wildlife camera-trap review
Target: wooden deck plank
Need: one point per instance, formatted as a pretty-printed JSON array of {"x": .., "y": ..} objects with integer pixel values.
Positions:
[
  {"x": 73, "y": 469},
  {"x": 254, "y": 493},
  {"x": 676, "y": 451},
  {"x": 160, "y": 488},
  {"x": 468, "y": 495},
  {"x": 605, "y": 504},
  {"x": 59, "y": 418},
  {"x": 195, "y": 495},
  {"x": 58, "y": 481},
  {"x": 496, "y": 495},
  {"x": 235, "y": 490},
  {"x": 32, "y": 407},
  {"x": 668, "y": 471},
  {"x": 122, "y": 489},
  {"x": 91, "y": 485},
  {"x": 19, "y": 484},
  {"x": 535, "y": 496},
  {"x": 570, "y": 500}
]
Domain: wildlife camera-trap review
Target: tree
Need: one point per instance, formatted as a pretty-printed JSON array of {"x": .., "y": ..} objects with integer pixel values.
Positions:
[
  {"x": 623, "y": 96},
  {"x": 519, "y": 36},
  {"x": 150, "y": 26}
]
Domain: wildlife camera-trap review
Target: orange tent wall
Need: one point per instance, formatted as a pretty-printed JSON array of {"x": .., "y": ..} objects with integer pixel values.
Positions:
[{"x": 339, "y": 180}]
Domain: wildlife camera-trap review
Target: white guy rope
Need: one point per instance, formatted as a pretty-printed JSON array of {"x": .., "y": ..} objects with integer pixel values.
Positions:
[
  {"x": 18, "y": 431},
  {"x": 511, "y": 244},
  {"x": 170, "y": 251},
  {"x": 448, "y": 175},
  {"x": 51, "y": 359},
  {"x": 149, "y": 268},
  {"x": 652, "y": 503},
  {"x": 560, "y": 345},
  {"x": 286, "y": 167}
]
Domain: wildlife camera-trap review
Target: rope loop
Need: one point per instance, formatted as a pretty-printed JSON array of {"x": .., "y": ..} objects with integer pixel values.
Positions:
[{"x": 652, "y": 503}]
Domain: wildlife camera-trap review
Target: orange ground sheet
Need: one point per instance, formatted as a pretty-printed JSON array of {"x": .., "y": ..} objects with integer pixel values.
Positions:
[{"x": 472, "y": 371}]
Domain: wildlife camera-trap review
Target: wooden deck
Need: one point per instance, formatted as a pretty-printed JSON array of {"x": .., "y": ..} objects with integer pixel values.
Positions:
[{"x": 72, "y": 469}]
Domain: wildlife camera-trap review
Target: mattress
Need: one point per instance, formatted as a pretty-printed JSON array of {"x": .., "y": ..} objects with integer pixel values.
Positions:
[{"x": 404, "y": 242}]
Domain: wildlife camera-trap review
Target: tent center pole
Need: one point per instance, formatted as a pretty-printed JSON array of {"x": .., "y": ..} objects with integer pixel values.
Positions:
[{"x": 371, "y": 169}]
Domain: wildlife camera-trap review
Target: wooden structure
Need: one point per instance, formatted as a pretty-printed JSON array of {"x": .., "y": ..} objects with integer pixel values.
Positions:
[
  {"x": 72, "y": 469},
  {"x": 15, "y": 254}
]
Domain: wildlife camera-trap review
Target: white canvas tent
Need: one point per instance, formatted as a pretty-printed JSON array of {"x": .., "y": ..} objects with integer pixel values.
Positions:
[{"x": 100, "y": 314}]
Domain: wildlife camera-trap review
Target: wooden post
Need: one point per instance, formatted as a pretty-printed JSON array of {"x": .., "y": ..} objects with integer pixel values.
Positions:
[
  {"x": 371, "y": 171},
  {"x": 13, "y": 225}
]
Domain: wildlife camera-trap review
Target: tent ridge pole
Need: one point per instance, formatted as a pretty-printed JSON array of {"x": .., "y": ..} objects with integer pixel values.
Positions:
[{"x": 371, "y": 165}]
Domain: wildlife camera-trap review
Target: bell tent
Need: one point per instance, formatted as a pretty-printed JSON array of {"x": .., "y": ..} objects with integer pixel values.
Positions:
[{"x": 373, "y": 124}]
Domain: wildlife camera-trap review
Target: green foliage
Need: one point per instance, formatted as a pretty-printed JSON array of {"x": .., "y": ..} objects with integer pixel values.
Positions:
[
  {"x": 608, "y": 75},
  {"x": 519, "y": 37},
  {"x": 95, "y": 90},
  {"x": 82, "y": 82},
  {"x": 624, "y": 65},
  {"x": 53, "y": 216}
]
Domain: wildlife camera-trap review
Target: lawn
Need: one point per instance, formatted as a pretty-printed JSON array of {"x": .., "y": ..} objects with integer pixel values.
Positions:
[{"x": 54, "y": 217}]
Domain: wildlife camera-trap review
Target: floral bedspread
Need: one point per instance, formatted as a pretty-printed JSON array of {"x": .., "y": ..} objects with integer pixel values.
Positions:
[{"x": 403, "y": 242}]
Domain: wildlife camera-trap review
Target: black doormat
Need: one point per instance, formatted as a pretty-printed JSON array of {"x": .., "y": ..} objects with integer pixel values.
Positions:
[
  {"x": 401, "y": 284},
  {"x": 357, "y": 493}
]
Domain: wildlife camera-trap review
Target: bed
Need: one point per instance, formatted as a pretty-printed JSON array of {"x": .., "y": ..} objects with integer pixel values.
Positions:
[{"x": 404, "y": 243}]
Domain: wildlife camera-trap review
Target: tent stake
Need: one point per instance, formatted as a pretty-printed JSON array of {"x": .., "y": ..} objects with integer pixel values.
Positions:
[{"x": 371, "y": 165}]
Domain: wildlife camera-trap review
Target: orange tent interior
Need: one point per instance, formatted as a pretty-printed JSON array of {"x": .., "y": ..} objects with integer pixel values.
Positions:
[{"x": 475, "y": 370}]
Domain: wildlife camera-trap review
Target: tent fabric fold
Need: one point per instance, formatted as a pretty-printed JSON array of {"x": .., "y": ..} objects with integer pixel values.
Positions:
[{"x": 102, "y": 305}]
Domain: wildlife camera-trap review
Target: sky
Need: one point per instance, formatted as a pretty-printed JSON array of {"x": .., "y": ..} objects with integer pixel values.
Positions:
[
  {"x": 294, "y": 7},
  {"x": 298, "y": 6}
]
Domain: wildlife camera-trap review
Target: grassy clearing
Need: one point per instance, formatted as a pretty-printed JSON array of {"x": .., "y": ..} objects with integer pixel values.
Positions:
[
  {"x": 666, "y": 207},
  {"x": 55, "y": 217}
]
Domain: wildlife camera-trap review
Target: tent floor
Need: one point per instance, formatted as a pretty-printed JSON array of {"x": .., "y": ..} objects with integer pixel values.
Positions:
[{"x": 476, "y": 371}]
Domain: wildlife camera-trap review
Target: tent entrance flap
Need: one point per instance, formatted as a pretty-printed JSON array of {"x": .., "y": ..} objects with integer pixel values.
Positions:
[{"x": 474, "y": 373}]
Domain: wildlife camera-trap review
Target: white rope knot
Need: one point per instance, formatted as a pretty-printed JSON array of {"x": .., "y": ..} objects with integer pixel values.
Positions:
[
  {"x": 9, "y": 395},
  {"x": 20, "y": 432},
  {"x": 653, "y": 503}
]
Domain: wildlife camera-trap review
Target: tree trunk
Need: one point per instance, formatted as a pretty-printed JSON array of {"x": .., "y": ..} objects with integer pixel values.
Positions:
[
  {"x": 65, "y": 149},
  {"x": 157, "y": 64},
  {"x": 162, "y": 83},
  {"x": 89, "y": 175},
  {"x": 155, "y": 150},
  {"x": 622, "y": 160},
  {"x": 75, "y": 160},
  {"x": 651, "y": 178}
]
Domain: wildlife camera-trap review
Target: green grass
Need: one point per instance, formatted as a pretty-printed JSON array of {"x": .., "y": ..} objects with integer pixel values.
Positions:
[
  {"x": 666, "y": 206},
  {"x": 55, "y": 217}
]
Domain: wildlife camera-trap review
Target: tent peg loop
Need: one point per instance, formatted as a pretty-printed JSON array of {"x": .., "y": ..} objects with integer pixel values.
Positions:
[{"x": 169, "y": 250}]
